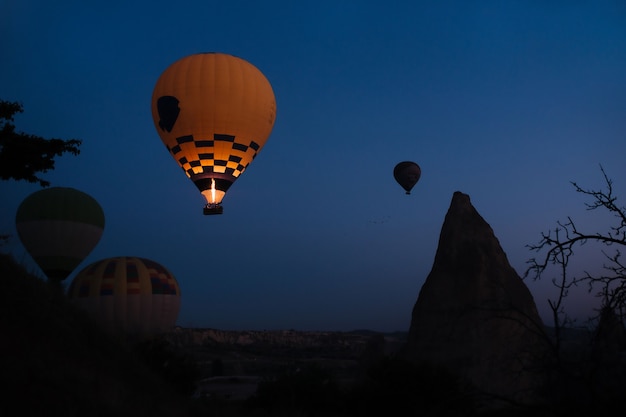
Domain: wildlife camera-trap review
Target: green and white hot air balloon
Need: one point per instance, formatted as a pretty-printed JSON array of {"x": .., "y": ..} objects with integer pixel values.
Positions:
[{"x": 59, "y": 227}]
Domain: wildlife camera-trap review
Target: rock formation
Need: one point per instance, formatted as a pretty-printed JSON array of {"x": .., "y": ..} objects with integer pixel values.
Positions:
[{"x": 474, "y": 315}]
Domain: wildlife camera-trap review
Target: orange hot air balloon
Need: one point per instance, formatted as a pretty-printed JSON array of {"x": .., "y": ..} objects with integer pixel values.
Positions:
[
  {"x": 214, "y": 112},
  {"x": 128, "y": 295},
  {"x": 407, "y": 174}
]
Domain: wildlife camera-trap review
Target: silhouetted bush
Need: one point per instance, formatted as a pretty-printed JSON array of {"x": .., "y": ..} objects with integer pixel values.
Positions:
[
  {"x": 394, "y": 386},
  {"x": 179, "y": 370},
  {"x": 309, "y": 390}
]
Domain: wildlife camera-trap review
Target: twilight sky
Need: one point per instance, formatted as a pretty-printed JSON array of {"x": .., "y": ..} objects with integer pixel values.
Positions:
[{"x": 507, "y": 101}]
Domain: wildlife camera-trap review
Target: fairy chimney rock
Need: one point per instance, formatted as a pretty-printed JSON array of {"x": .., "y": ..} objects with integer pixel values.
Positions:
[{"x": 474, "y": 315}]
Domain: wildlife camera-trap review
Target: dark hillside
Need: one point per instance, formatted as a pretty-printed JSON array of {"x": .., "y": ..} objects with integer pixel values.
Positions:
[{"x": 56, "y": 361}]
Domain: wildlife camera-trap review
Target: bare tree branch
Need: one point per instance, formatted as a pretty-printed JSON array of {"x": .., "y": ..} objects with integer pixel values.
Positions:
[{"x": 557, "y": 246}]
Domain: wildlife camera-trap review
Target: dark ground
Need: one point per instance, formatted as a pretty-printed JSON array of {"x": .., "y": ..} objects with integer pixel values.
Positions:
[{"x": 56, "y": 361}]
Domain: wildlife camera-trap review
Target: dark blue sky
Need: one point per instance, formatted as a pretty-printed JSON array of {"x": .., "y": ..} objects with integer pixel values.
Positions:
[{"x": 507, "y": 101}]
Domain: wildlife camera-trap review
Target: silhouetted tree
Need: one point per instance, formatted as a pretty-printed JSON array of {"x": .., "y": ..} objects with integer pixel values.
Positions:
[
  {"x": 23, "y": 156},
  {"x": 559, "y": 245},
  {"x": 217, "y": 367},
  {"x": 586, "y": 380}
]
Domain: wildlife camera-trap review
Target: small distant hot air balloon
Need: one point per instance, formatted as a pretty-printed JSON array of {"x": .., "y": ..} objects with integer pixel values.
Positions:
[
  {"x": 59, "y": 227},
  {"x": 214, "y": 112},
  {"x": 407, "y": 174},
  {"x": 128, "y": 295}
]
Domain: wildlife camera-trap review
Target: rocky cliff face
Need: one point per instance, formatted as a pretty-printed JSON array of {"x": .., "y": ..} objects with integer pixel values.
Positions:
[{"x": 474, "y": 314}]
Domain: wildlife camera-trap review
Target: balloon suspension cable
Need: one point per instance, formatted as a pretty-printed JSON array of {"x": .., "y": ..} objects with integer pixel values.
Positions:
[{"x": 213, "y": 208}]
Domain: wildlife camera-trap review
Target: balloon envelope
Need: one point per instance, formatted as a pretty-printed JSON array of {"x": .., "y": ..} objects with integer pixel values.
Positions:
[
  {"x": 214, "y": 112},
  {"x": 407, "y": 174},
  {"x": 59, "y": 227},
  {"x": 128, "y": 295}
]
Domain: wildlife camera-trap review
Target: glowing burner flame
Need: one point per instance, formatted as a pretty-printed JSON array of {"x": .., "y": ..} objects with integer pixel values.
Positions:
[{"x": 212, "y": 190}]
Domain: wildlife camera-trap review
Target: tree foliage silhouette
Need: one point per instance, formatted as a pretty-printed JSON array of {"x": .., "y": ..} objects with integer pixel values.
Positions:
[{"x": 24, "y": 156}]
